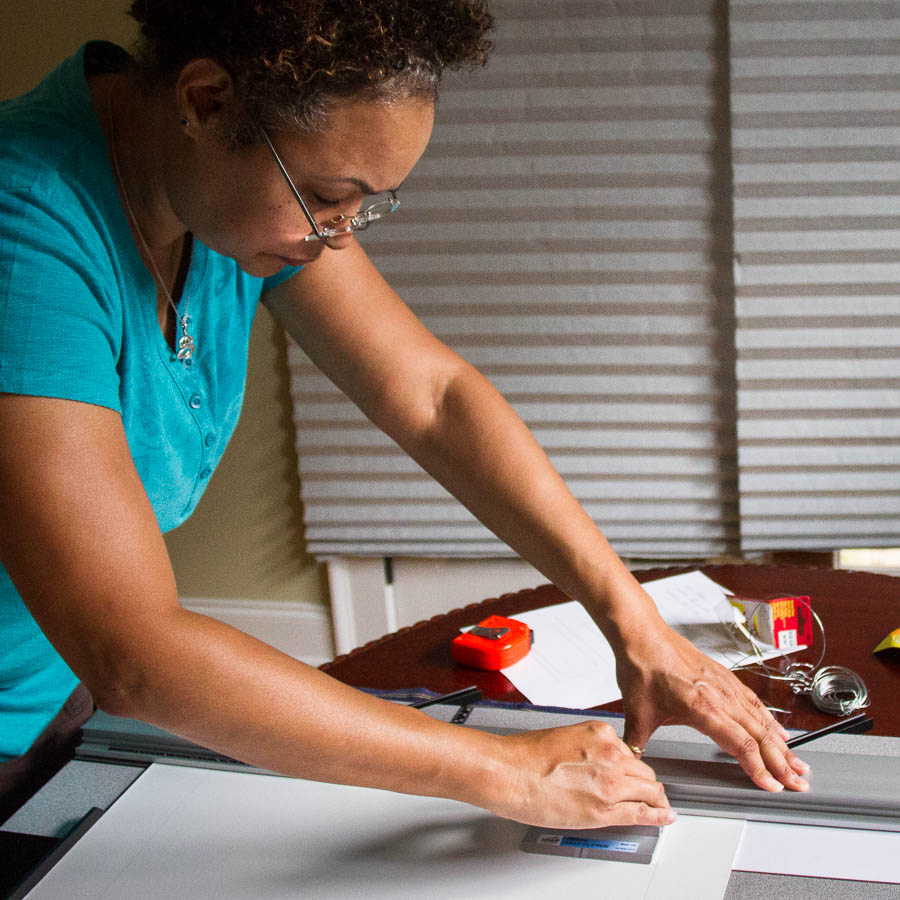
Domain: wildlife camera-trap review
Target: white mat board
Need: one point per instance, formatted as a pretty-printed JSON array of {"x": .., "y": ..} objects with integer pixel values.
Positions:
[
  {"x": 202, "y": 833},
  {"x": 849, "y": 853}
]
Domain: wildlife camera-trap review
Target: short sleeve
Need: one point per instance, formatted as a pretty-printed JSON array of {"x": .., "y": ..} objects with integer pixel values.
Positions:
[{"x": 60, "y": 322}]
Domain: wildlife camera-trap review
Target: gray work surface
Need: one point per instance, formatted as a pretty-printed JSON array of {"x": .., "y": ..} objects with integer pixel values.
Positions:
[
  {"x": 83, "y": 784},
  {"x": 64, "y": 800}
]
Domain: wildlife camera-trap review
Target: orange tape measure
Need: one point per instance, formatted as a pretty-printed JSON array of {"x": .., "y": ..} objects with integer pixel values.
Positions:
[{"x": 494, "y": 643}]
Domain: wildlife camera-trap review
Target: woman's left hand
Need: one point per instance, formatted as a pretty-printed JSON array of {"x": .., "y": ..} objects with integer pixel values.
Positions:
[{"x": 666, "y": 680}]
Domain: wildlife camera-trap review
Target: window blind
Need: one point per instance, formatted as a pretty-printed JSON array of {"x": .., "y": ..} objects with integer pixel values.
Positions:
[
  {"x": 816, "y": 144},
  {"x": 567, "y": 232}
]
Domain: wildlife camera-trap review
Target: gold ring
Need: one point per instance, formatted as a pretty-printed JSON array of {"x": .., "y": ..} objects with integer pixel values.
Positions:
[{"x": 637, "y": 751}]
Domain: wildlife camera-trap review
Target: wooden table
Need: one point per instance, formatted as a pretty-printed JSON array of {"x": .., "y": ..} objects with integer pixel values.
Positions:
[{"x": 857, "y": 609}]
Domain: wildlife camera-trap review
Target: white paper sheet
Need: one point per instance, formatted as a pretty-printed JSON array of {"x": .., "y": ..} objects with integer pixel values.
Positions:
[
  {"x": 697, "y": 607},
  {"x": 202, "y": 833},
  {"x": 849, "y": 853},
  {"x": 571, "y": 664},
  {"x": 686, "y": 597}
]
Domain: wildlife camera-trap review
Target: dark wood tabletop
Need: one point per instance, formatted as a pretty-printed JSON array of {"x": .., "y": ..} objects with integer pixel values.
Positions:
[{"x": 857, "y": 609}]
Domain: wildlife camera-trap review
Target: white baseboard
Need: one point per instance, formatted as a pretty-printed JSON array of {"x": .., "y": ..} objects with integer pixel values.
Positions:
[{"x": 302, "y": 630}]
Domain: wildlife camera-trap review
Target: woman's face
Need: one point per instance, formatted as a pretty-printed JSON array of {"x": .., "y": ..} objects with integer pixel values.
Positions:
[{"x": 240, "y": 204}]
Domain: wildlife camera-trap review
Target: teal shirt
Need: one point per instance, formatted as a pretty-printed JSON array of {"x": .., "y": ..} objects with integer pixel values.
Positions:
[{"x": 78, "y": 321}]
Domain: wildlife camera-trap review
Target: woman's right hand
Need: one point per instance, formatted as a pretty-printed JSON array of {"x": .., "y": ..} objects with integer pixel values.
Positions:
[{"x": 578, "y": 776}]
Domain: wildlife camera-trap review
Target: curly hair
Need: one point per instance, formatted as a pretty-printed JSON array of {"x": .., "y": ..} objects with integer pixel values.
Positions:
[{"x": 290, "y": 60}]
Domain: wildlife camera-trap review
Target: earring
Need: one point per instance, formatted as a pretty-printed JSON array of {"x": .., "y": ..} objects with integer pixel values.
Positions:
[{"x": 184, "y": 120}]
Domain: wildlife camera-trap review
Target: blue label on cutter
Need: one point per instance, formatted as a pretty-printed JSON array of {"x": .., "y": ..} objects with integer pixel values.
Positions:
[{"x": 594, "y": 844}]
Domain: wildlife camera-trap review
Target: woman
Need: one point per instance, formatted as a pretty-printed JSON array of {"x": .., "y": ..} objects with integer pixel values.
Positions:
[{"x": 146, "y": 206}]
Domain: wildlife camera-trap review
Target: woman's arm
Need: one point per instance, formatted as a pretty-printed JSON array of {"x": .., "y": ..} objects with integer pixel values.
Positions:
[
  {"x": 80, "y": 541},
  {"x": 459, "y": 429}
]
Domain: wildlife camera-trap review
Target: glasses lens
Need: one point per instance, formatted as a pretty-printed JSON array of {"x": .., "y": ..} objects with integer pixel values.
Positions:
[{"x": 380, "y": 206}]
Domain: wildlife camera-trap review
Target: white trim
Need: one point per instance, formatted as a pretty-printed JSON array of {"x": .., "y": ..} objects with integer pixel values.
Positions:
[
  {"x": 340, "y": 589},
  {"x": 884, "y": 561},
  {"x": 362, "y": 604},
  {"x": 302, "y": 630},
  {"x": 390, "y": 609}
]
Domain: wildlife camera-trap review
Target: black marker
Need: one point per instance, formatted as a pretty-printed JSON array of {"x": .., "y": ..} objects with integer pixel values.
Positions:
[
  {"x": 858, "y": 723},
  {"x": 466, "y": 695}
]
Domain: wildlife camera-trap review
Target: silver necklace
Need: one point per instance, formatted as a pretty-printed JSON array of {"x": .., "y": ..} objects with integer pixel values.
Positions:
[{"x": 186, "y": 343}]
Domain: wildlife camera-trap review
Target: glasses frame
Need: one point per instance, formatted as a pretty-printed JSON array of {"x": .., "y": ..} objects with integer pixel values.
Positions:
[{"x": 358, "y": 222}]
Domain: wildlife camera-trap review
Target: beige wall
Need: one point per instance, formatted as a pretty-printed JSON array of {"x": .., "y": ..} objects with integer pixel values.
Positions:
[
  {"x": 37, "y": 34},
  {"x": 246, "y": 539}
]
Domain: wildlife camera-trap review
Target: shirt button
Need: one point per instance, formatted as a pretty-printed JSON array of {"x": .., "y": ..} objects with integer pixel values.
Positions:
[
  {"x": 210, "y": 439},
  {"x": 205, "y": 473},
  {"x": 195, "y": 401}
]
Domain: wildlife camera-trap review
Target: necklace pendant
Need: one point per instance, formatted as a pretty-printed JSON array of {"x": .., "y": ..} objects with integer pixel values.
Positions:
[{"x": 185, "y": 347}]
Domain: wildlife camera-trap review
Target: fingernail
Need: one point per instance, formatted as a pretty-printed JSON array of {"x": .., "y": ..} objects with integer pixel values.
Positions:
[
  {"x": 802, "y": 765},
  {"x": 669, "y": 816},
  {"x": 799, "y": 783},
  {"x": 772, "y": 785}
]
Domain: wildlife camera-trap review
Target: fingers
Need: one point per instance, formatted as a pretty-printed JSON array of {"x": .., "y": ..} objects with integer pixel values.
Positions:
[
  {"x": 642, "y": 814},
  {"x": 778, "y": 758},
  {"x": 642, "y": 799},
  {"x": 756, "y": 742},
  {"x": 642, "y": 790},
  {"x": 786, "y": 768},
  {"x": 637, "y": 769},
  {"x": 797, "y": 764},
  {"x": 794, "y": 761},
  {"x": 634, "y": 789}
]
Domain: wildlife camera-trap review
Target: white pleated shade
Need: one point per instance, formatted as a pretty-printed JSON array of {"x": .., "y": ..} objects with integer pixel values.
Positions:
[
  {"x": 671, "y": 238},
  {"x": 816, "y": 135}
]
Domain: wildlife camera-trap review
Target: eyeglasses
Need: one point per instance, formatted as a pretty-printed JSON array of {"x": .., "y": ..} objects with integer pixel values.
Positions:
[{"x": 340, "y": 225}]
